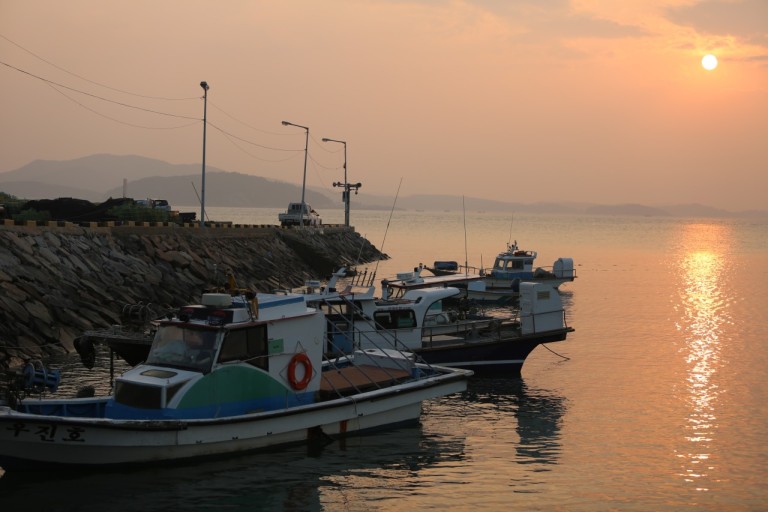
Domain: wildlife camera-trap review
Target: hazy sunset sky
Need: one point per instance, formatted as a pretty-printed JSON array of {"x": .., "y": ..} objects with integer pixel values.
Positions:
[{"x": 520, "y": 100}]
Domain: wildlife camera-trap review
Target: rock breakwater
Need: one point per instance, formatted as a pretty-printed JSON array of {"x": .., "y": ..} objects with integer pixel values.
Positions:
[{"x": 58, "y": 281}]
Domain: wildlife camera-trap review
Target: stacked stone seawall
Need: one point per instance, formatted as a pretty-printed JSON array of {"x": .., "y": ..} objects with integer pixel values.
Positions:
[{"x": 57, "y": 281}]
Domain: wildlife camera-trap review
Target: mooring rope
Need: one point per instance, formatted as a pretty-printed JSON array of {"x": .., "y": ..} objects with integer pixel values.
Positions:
[{"x": 559, "y": 355}]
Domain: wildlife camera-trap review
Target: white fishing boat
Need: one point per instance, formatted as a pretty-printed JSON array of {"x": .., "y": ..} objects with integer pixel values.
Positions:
[
  {"x": 421, "y": 320},
  {"x": 233, "y": 373},
  {"x": 515, "y": 265},
  {"x": 501, "y": 282}
]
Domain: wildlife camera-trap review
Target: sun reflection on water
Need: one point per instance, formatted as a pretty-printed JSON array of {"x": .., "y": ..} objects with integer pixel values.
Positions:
[{"x": 702, "y": 309}]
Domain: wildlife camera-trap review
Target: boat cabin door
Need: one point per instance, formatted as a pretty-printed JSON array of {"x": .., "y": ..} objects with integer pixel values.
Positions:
[{"x": 340, "y": 337}]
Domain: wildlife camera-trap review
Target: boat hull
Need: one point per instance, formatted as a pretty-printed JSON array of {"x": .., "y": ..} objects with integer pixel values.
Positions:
[
  {"x": 35, "y": 442},
  {"x": 503, "y": 357},
  {"x": 501, "y": 290},
  {"x": 503, "y": 283}
]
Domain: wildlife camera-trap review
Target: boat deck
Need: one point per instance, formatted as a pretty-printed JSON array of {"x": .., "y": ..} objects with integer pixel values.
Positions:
[{"x": 352, "y": 379}]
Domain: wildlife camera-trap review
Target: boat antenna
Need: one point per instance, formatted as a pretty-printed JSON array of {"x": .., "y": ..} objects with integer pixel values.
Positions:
[
  {"x": 381, "y": 249},
  {"x": 466, "y": 258},
  {"x": 360, "y": 252},
  {"x": 199, "y": 200},
  {"x": 510, "y": 230}
]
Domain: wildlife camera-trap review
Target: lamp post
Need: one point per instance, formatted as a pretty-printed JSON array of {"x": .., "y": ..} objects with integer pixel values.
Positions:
[
  {"x": 304, "y": 182},
  {"x": 347, "y": 186},
  {"x": 204, "y": 85}
]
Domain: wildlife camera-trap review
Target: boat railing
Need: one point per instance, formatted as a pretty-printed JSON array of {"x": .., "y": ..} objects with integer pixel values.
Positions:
[
  {"x": 348, "y": 314},
  {"x": 469, "y": 269},
  {"x": 378, "y": 336},
  {"x": 478, "y": 329},
  {"x": 364, "y": 278}
]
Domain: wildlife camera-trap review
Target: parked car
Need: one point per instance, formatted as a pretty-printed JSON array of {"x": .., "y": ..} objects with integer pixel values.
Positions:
[
  {"x": 295, "y": 217},
  {"x": 162, "y": 204},
  {"x": 158, "y": 204}
]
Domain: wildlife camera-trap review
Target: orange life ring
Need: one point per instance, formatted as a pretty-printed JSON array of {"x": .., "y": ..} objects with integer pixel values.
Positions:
[{"x": 303, "y": 359}]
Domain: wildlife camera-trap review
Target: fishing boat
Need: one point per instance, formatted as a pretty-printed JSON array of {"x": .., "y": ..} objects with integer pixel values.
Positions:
[
  {"x": 501, "y": 282},
  {"x": 515, "y": 265},
  {"x": 236, "y": 372},
  {"x": 451, "y": 334}
]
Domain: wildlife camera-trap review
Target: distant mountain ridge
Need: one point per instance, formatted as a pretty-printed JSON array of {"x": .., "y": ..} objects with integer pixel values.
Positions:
[
  {"x": 99, "y": 177},
  {"x": 100, "y": 172}
]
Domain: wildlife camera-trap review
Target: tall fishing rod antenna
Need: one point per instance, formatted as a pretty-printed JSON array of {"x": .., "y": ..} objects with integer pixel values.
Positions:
[
  {"x": 360, "y": 252},
  {"x": 510, "y": 230},
  {"x": 381, "y": 250},
  {"x": 199, "y": 201}
]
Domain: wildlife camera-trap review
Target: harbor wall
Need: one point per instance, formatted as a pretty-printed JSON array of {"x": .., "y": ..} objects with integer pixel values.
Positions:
[{"x": 57, "y": 281}]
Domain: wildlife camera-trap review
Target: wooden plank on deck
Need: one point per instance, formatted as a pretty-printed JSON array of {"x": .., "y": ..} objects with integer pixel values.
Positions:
[{"x": 349, "y": 379}]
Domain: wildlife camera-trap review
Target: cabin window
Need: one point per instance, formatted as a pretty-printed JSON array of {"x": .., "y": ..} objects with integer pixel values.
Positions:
[
  {"x": 186, "y": 348},
  {"x": 137, "y": 395},
  {"x": 343, "y": 309},
  {"x": 542, "y": 295},
  {"x": 516, "y": 264},
  {"x": 247, "y": 345},
  {"x": 397, "y": 319}
]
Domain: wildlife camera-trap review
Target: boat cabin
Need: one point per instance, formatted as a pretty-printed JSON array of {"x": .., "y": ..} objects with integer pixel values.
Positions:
[
  {"x": 514, "y": 263},
  {"x": 226, "y": 356}
]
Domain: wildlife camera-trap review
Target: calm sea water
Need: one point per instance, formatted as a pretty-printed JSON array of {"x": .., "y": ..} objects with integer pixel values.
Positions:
[{"x": 656, "y": 402}]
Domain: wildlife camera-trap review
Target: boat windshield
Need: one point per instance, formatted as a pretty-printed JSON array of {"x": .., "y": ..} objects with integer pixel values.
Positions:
[{"x": 183, "y": 347}]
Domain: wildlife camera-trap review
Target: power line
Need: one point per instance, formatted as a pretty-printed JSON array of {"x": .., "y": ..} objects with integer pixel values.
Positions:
[
  {"x": 231, "y": 137},
  {"x": 96, "y": 96},
  {"x": 251, "y": 142},
  {"x": 91, "y": 81},
  {"x": 55, "y": 86},
  {"x": 228, "y": 135},
  {"x": 324, "y": 166},
  {"x": 118, "y": 120},
  {"x": 243, "y": 122}
]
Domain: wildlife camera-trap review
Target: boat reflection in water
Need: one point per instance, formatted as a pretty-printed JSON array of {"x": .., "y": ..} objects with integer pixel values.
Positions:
[
  {"x": 534, "y": 414},
  {"x": 704, "y": 312},
  {"x": 539, "y": 417}
]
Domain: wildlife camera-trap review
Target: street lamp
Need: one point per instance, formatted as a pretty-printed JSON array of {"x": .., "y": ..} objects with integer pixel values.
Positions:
[
  {"x": 204, "y": 85},
  {"x": 306, "y": 151},
  {"x": 347, "y": 186}
]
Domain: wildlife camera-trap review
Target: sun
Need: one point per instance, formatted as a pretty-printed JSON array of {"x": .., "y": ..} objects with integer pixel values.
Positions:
[{"x": 709, "y": 62}]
